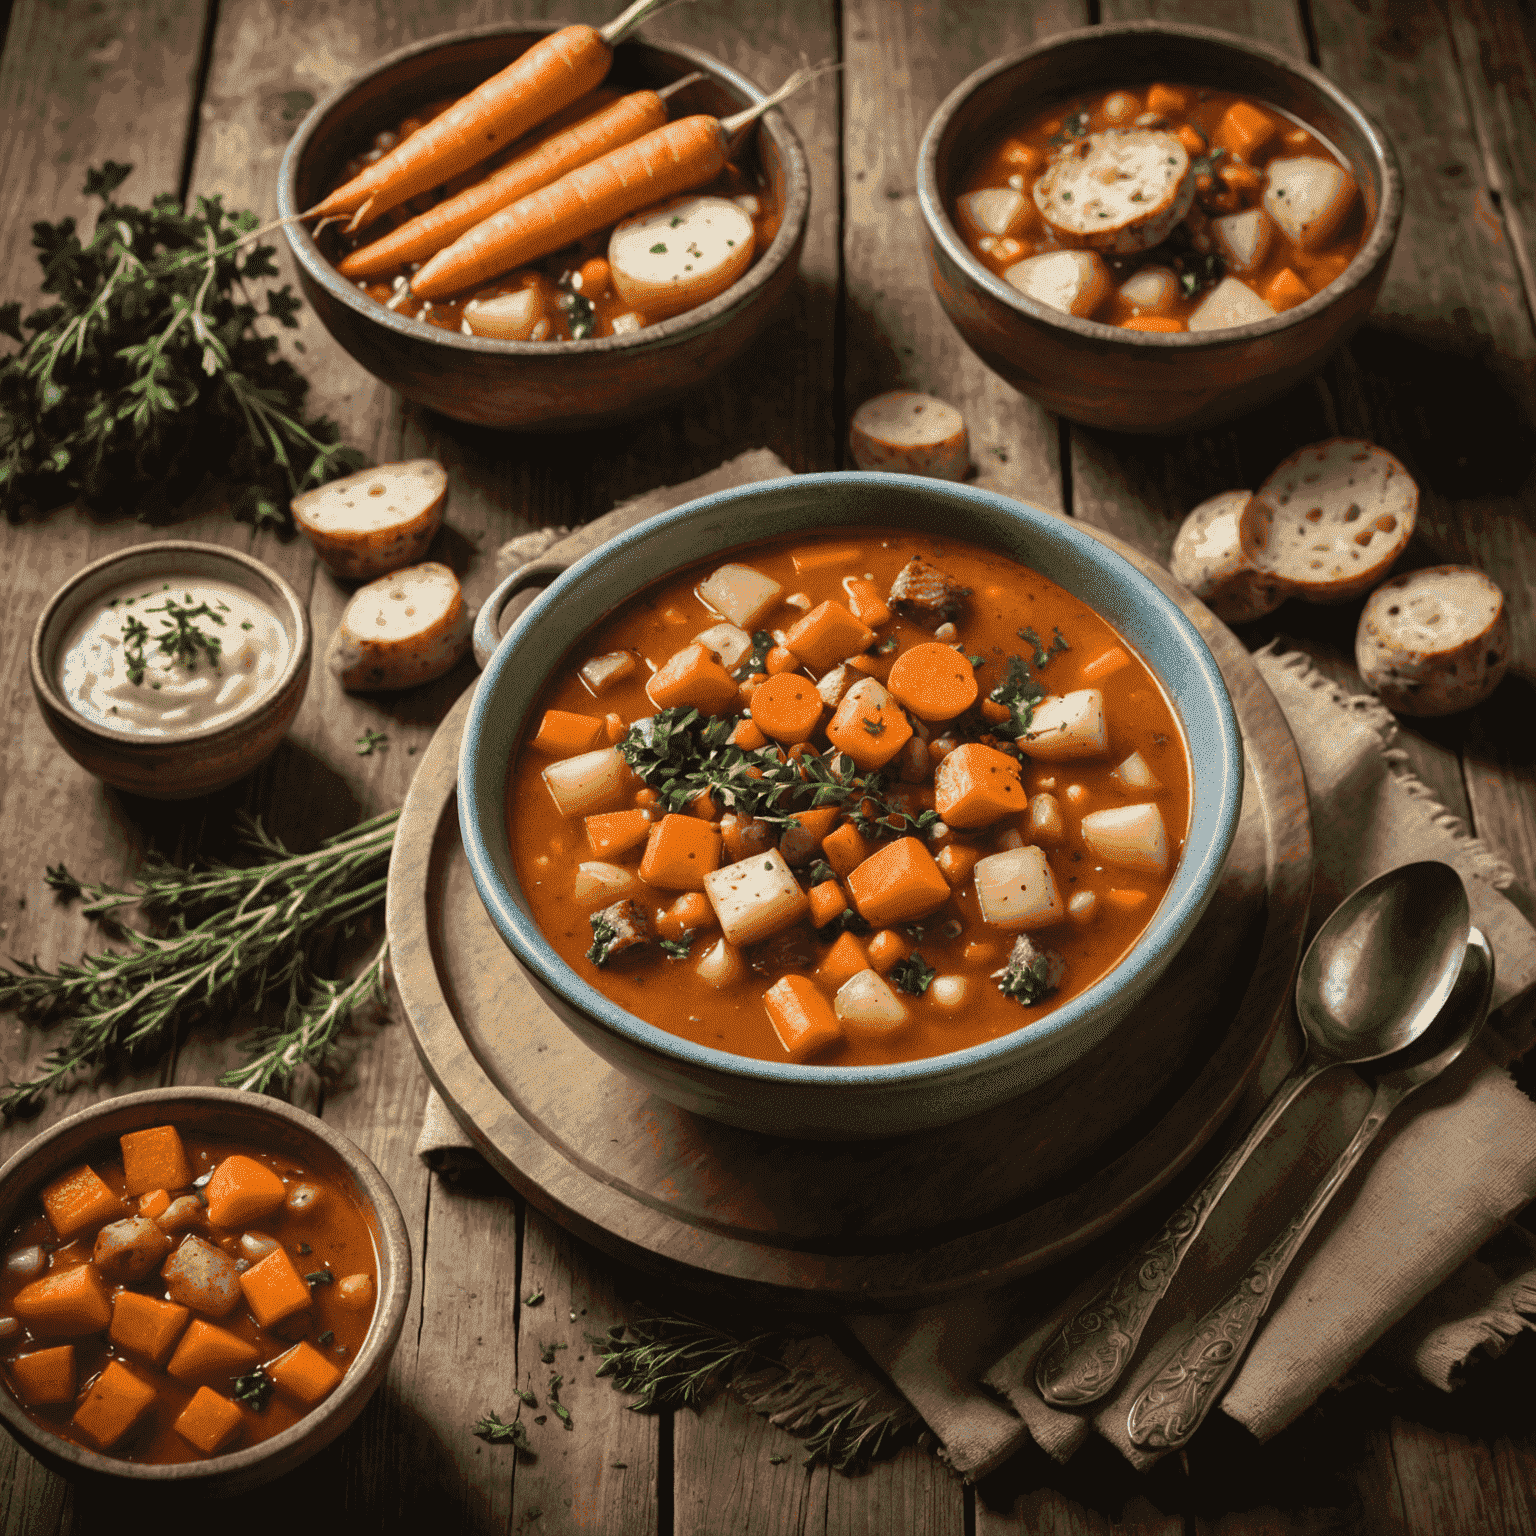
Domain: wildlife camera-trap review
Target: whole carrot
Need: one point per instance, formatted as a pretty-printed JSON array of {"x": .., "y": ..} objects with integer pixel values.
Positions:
[
  {"x": 620, "y": 122},
  {"x": 553, "y": 73},
  {"x": 677, "y": 158}
]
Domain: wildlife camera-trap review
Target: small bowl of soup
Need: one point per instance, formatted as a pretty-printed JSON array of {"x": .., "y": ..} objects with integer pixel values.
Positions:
[
  {"x": 200, "y": 1289},
  {"x": 848, "y": 805},
  {"x": 173, "y": 668},
  {"x": 1154, "y": 228},
  {"x": 591, "y": 332}
]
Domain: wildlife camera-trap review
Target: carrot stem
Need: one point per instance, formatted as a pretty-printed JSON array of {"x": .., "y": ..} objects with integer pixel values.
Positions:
[{"x": 630, "y": 18}]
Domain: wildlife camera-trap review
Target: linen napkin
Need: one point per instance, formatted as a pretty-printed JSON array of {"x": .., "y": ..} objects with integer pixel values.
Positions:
[{"x": 1392, "y": 1260}]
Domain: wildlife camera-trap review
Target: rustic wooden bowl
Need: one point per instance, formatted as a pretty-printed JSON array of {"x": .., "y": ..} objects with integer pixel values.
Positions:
[
  {"x": 535, "y": 386},
  {"x": 1136, "y": 381},
  {"x": 199, "y": 761},
  {"x": 846, "y": 1103},
  {"x": 226, "y": 1113}
]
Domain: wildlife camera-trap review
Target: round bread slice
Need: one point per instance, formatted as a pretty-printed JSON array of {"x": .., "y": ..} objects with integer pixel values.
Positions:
[
  {"x": 1435, "y": 641},
  {"x": 912, "y": 434},
  {"x": 404, "y": 629},
  {"x": 375, "y": 521},
  {"x": 1344, "y": 510},
  {"x": 1216, "y": 555},
  {"x": 1121, "y": 190}
]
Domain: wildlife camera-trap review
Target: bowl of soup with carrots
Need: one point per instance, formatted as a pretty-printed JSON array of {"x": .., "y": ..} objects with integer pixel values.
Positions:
[
  {"x": 199, "y": 1287},
  {"x": 473, "y": 280},
  {"x": 1153, "y": 227},
  {"x": 848, "y": 804}
]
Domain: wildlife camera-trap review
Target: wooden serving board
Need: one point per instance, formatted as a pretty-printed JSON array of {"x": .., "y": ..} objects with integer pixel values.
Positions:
[{"x": 883, "y": 1224}]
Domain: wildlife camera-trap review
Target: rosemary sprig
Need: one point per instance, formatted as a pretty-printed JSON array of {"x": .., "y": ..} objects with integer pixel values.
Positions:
[
  {"x": 675, "y": 1362},
  {"x": 229, "y": 937}
]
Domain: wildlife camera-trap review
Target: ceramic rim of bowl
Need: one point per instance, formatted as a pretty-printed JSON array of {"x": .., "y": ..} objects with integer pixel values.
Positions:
[
  {"x": 58, "y": 614},
  {"x": 1373, "y": 248},
  {"x": 707, "y": 316},
  {"x": 1215, "y": 798},
  {"x": 371, "y": 1189}
]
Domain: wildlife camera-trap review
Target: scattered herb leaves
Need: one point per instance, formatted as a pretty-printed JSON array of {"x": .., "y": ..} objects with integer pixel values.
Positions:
[
  {"x": 497, "y": 1431},
  {"x": 604, "y": 936},
  {"x": 913, "y": 974},
  {"x": 370, "y": 742},
  {"x": 253, "y": 1389},
  {"x": 533, "y": 1298}
]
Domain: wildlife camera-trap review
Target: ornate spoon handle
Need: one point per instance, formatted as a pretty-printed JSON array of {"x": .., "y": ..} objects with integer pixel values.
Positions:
[
  {"x": 1173, "y": 1404},
  {"x": 1088, "y": 1355}
]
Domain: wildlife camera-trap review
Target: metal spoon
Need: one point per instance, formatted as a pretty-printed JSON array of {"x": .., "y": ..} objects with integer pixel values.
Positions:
[
  {"x": 1373, "y": 978},
  {"x": 1172, "y": 1405}
]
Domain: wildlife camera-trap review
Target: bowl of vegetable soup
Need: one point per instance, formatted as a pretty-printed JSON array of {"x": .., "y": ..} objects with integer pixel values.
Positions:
[
  {"x": 201, "y": 1289},
  {"x": 484, "y": 294},
  {"x": 1154, "y": 228},
  {"x": 879, "y": 818}
]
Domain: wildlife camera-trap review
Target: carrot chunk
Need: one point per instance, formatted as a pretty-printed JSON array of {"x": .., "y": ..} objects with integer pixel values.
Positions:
[
  {"x": 154, "y": 1203},
  {"x": 801, "y": 1016},
  {"x": 787, "y": 707},
  {"x": 242, "y": 1191},
  {"x": 611, "y": 832},
  {"x": 1243, "y": 129},
  {"x": 692, "y": 676},
  {"x": 898, "y": 883},
  {"x": 976, "y": 785},
  {"x": 114, "y": 1404},
  {"x": 817, "y": 557},
  {"x": 865, "y": 602},
  {"x": 154, "y": 1159},
  {"x": 1125, "y": 900},
  {"x": 1285, "y": 290},
  {"x": 845, "y": 959},
  {"x": 146, "y": 1327},
  {"x": 207, "y": 1351},
  {"x": 869, "y": 725},
  {"x": 79, "y": 1201},
  {"x": 827, "y": 902},
  {"x": 680, "y": 851},
  {"x": 956, "y": 863},
  {"x": 747, "y": 736},
  {"x": 828, "y": 634},
  {"x": 934, "y": 681},
  {"x": 845, "y": 850},
  {"x": 45, "y": 1375},
  {"x": 303, "y": 1373},
  {"x": 563, "y": 734},
  {"x": 66, "y": 1304},
  {"x": 209, "y": 1421},
  {"x": 1190, "y": 138},
  {"x": 274, "y": 1289},
  {"x": 1106, "y": 665},
  {"x": 886, "y": 949},
  {"x": 1159, "y": 323},
  {"x": 1165, "y": 99}
]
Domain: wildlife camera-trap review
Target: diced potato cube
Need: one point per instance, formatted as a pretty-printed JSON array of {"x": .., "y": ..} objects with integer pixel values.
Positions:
[
  {"x": 202, "y": 1277},
  {"x": 740, "y": 593},
  {"x": 1067, "y": 727},
  {"x": 727, "y": 643},
  {"x": 997, "y": 211},
  {"x": 1016, "y": 889},
  {"x": 755, "y": 897},
  {"x": 594, "y": 781},
  {"x": 1230, "y": 302},
  {"x": 1128, "y": 836},
  {"x": 869, "y": 1009},
  {"x": 721, "y": 965},
  {"x": 1308, "y": 198},
  {"x": 603, "y": 883},
  {"x": 127, "y": 1250},
  {"x": 1244, "y": 239},
  {"x": 1135, "y": 775},
  {"x": 602, "y": 672},
  {"x": 949, "y": 992}
]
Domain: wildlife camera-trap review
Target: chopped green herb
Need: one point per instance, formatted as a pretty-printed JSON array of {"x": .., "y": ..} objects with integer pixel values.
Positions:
[
  {"x": 762, "y": 643},
  {"x": 533, "y": 1298},
  {"x": 497, "y": 1431},
  {"x": 1020, "y": 693},
  {"x": 180, "y": 639},
  {"x": 320, "y": 1277},
  {"x": 820, "y": 872},
  {"x": 556, "y": 1407},
  {"x": 777, "y": 1461},
  {"x": 603, "y": 936},
  {"x": 659, "y": 249},
  {"x": 254, "y": 1390},
  {"x": 370, "y": 741},
  {"x": 677, "y": 949},
  {"x": 1027, "y": 982},
  {"x": 303, "y": 1248},
  {"x": 1044, "y": 654},
  {"x": 328, "y": 1337},
  {"x": 547, "y": 1352},
  {"x": 527, "y": 1397},
  {"x": 913, "y": 974}
]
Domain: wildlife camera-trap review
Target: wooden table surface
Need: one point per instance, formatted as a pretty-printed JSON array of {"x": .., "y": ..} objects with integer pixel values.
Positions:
[{"x": 201, "y": 95}]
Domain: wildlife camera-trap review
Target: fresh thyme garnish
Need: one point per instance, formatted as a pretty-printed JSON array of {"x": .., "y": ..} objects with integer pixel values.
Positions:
[
  {"x": 556, "y": 1407},
  {"x": 603, "y": 935},
  {"x": 149, "y": 371},
  {"x": 180, "y": 638},
  {"x": 497, "y": 1431},
  {"x": 533, "y": 1298},
  {"x": 1020, "y": 693},
  {"x": 370, "y": 742},
  {"x": 228, "y": 937},
  {"x": 1044, "y": 654},
  {"x": 677, "y": 949},
  {"x": 913, "y": 974},
  {"x": 820, "y": 872},
  {"x": 254, "y": 1390},
  {"x": 321, "y": 1277}
]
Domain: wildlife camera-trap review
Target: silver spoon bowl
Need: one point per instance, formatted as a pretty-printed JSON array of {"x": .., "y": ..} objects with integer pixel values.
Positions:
[{"x": 1374, "y": 978}]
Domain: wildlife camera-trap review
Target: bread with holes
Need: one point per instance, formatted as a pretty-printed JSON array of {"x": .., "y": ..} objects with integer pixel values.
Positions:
[
  {"x": 1344, "y": 511},
  {"x": 376, "y": 521},
  {"x": 404, "y": 629},
  {"x": 1435, "y": 641},
  {"x": 1217, "y": 552}
]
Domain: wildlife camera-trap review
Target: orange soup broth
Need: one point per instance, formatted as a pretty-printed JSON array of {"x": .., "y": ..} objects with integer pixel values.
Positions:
[{"x": 1007, "y": 597}]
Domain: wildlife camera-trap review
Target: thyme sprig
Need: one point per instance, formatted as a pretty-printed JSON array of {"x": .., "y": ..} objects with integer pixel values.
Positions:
[
  {"x": 228, "y": 937},
  {"x": 675, "y": 1362},
  {"x": 180, "y": 639},
  {"x": 150, "y": 370}
]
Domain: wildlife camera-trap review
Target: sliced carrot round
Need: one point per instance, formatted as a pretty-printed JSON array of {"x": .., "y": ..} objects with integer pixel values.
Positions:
[
  {"x": 787, "y": 707},
  {"x": 934, "y": 681}
]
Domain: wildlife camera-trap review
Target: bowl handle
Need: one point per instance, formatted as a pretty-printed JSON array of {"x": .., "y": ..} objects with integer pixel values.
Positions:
[{"x": 508, "y": 600}]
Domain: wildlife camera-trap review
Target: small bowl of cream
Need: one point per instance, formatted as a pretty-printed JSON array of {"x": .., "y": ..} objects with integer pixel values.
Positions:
[{"x": 171, "y": 669}]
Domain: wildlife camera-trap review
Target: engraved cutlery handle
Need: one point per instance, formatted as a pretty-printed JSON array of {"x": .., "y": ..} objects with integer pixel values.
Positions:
[
  {"x": 1088, "y": 1355},
  {"x": 1173, "y": 1404}
]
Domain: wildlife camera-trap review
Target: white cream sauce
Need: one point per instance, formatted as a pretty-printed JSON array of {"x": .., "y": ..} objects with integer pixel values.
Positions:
[{"x": 118, "y": 676}]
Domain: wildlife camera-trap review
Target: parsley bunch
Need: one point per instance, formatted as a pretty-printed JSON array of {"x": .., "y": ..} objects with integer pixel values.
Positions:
[{"x": 148, "y": 372}]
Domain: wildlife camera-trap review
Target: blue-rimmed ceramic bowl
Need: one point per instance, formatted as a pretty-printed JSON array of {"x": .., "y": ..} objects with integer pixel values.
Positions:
[{"x": 840, "y": 1103}]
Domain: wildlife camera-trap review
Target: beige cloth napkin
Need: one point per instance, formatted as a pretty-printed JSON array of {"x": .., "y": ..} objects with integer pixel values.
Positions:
[{"x": 1393, "y": 1260}]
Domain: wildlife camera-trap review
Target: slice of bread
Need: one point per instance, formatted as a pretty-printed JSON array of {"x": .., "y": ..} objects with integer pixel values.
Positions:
[
  {"x": 375, "y": 521},
  {"x": 1435, "y": 641},
  {"x": 1344, "y": 511},
  {"x": 1217, "y": 552},
  {"x": 912, "y": 434},
  {"x": 1121, "y": 190},
  {"x": 406, "y": 628}
]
